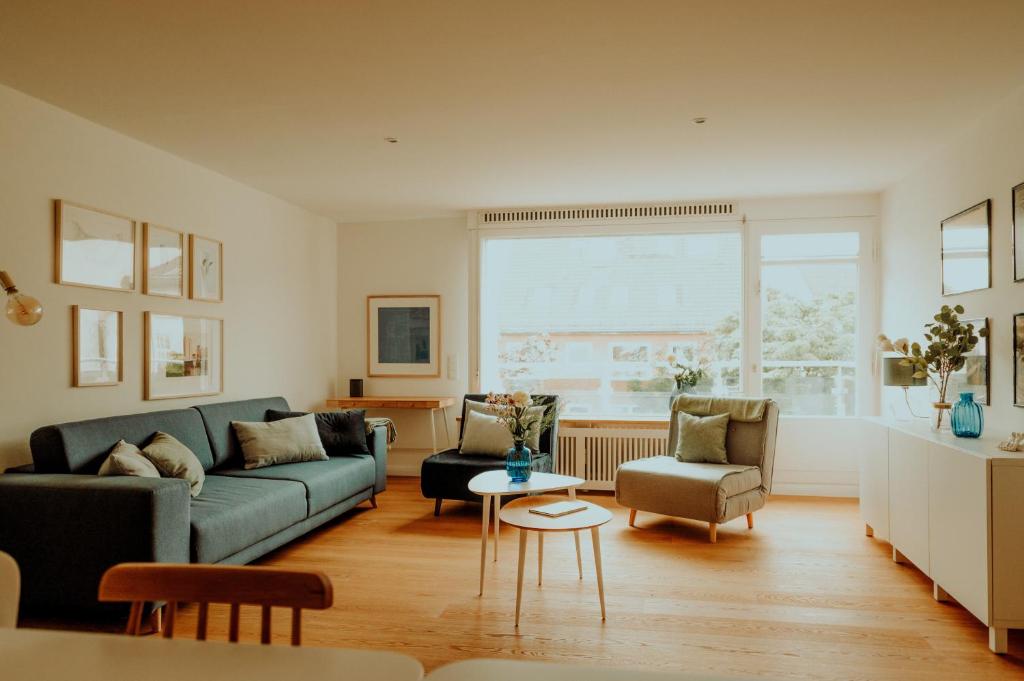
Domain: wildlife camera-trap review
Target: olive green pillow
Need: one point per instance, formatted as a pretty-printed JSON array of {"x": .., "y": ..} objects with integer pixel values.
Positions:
[
  {"x": 535, "y": 412},
  {"x": 290, "y": 440},
  {"x": 175, "y": 460},
  {"x": 127, "y": 459},
  {"x": 702, "y": 439}
]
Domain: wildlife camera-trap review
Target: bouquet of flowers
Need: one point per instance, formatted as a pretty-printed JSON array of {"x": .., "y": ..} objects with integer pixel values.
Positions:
[
  {"x": 687, "y": 375},
  {"x": 513, "y": 411}
]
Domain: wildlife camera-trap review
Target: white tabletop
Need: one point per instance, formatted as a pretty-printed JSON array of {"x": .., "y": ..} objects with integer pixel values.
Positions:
[
  {"x": 518, "y": 514},
  {"x": 512, "y": 670},
  {"x": 497, "y": 482},
  {"x": 38, "y": 655}
]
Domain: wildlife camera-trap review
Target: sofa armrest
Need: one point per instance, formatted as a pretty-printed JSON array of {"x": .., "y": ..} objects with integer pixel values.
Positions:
[
  {"x": 65, "y": 531},
  {"x": 377, "y": 441}
]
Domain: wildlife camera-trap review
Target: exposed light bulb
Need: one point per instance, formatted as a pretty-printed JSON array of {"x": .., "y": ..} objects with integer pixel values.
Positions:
[{"x": 22, "y": 310}]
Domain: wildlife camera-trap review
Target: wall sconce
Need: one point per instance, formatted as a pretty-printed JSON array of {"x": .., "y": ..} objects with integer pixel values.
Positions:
[{"x": 22, "y": 310}]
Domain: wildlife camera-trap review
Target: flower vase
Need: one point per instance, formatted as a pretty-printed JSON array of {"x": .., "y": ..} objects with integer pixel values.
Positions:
[
  {"x": 519, "y": 462},
  {"x": 967, "y": 418},
  {"x": 940, "y": 417}
]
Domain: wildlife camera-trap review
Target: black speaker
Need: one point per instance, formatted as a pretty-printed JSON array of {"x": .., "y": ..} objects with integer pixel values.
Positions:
[{"x": 355, "y": 387}]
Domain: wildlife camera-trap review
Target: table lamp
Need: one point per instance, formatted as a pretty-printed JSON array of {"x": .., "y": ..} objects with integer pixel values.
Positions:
[
  {"x": 22, "y": 310},
  {"x": 896, "y": 374}
]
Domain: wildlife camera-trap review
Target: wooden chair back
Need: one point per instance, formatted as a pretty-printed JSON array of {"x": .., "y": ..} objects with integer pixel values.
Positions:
[
  {"x": 10, "y": 591},
  {"x": 139, "y": 583}
]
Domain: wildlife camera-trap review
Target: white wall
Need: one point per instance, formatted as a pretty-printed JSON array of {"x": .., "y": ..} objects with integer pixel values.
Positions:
[
  {"x": 280, "y": 272},
  {"x": 984, "y": 163}
]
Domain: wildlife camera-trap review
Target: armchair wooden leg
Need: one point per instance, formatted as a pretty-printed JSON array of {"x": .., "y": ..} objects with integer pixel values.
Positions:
[
  {"x": 373, "y": 501},
  {"x": 713, "y": 532},
  {"x": 437, "y": 507},
  {"x": 750, "y": 521},
  {"x": 632, "y": 517}
]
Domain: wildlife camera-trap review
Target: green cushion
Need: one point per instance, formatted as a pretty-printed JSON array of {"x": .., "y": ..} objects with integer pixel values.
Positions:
[
  {"x": 234, "y": 513},
  {"x": 702, "y": 439},
  {"x": 326, "y": 482},
  {"x": 290, "y": 440},
  {"x": 175, "y": 460},
  {"x": 127, "y": 459}
]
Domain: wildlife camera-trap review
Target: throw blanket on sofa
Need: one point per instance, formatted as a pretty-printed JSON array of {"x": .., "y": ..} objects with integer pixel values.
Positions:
[
  {"x": 372, "y": 423},
  {"x": 745, "y": 409}
]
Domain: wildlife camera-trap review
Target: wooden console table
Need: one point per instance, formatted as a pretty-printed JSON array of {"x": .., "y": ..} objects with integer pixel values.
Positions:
[{"x": 434, "y": 404}]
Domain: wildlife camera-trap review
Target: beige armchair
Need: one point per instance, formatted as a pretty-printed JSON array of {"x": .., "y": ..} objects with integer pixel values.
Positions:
[{"x": 709, "y": 492}]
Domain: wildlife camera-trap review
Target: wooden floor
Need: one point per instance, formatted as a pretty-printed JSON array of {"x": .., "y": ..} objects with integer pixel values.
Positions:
[{"x": 805, "y": 595}]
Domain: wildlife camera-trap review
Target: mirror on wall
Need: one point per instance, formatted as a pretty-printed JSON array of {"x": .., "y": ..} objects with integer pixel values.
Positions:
[
  {"x": 1018, "y": 232},
  {"x": 965, "y": 250}
]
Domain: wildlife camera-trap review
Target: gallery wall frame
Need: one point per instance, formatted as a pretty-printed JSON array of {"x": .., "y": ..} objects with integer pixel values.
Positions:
[
  {"x": 184, "y": 356},
  {"x": 1018, "y": 359},
  {"x": 403, "y": 335},
  {"x": 960, "y": 241},
  {"x": 976, "y": 376},
  {"x": 94, "y": 248},
  {"x": 206, "y": 269},
  {"x": 160, "y": 277},
  {"x": 1017, "y": 231},
  {"x": 91, "y": 354}
]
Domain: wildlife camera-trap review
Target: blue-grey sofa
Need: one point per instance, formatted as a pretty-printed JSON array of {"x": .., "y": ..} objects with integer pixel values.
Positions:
[{"x": 65, "y": 525}]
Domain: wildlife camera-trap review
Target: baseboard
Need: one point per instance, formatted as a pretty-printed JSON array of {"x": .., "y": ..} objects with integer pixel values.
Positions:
[{"x": 815, "y": 489}]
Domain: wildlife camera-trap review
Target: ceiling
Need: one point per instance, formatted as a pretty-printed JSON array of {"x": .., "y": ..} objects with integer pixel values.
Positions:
[{"x": 531, "y": 102}]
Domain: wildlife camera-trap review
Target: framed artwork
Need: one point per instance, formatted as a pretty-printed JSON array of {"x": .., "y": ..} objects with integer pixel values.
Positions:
[
  {"x": 163, "y": 260},
  {"x": 403, "y": 336},
  {"x": 1018, "y": 232},
  {"x": 206, "y": 269},
  {"x": 184, "y": 356},
  {"x": 966, "y": 261},
  {"x": 97, "y": 347},
  {"x": 974, "y": 377},
  {"x": 1018, "y": 359},
  {"x": 94, "y": 248}
]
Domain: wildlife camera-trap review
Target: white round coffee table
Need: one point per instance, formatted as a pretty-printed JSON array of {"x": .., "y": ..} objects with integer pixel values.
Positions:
[
  {"x": 493, "y": 485},
  {"x": 517, "y": 513}
]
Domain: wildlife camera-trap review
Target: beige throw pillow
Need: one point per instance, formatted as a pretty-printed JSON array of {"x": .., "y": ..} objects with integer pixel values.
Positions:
[
  {"x": 533, "y": 441},
  {"x": 175, "y": 460},
  {"x": 292, "y": 440},
  {"x": 127, "y": 459},
  {"x": 485, "y": 435},
  {"x": 702, "y": 440}
]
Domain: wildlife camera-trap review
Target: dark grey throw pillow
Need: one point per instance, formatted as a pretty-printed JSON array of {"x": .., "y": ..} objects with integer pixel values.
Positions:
[{"x": 341, "y": 432}]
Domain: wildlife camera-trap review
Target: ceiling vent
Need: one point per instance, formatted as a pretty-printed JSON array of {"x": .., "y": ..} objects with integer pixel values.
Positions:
[{"x": 617, "y": 213}]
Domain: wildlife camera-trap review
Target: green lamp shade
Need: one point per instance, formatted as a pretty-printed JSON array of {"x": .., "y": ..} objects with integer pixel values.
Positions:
[{"x": 895, "y": 374}]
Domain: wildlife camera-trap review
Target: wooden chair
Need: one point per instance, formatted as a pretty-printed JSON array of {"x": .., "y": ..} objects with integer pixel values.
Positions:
[
  {"x": 140, "y": 583},
  {"x": 10, "y": 591}
]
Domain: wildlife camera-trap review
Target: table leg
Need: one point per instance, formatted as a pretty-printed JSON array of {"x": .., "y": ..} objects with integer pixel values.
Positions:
[
  {"x": 519, "y": 579},
  {"x": 540, "y": 559},
  {"x": 447, "y": 436},
  {"x": 576, "y": 536},
  {"x": 497, "y": 523},
  {"x": 433, "y": 431},
  {"x": 483, "y": 540},
  {"x": 596, "y": 538}
]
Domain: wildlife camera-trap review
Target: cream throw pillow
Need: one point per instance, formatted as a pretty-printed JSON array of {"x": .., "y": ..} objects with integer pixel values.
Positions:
[
  {"x": 533, "y": 441},
  {"x": 127, "y": 459},
  {"x": 702, "y": 439},
  {"x": 175, "y": 460},
  {"x": 291, "y": 440},
  {"x": 484, "y": 435}
]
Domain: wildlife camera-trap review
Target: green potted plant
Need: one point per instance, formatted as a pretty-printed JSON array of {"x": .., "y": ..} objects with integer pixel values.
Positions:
[
  {"x": 687, "y": 376},
  {"x": 948, "y": 341}
]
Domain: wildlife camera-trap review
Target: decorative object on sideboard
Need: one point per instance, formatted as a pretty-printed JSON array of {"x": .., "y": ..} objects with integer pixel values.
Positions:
[
  {"x": 23, "y": 310},
  {"x": 1014, "y": 444},
  {"x": 897, "y": 374},
  {"x": 967, "y": 418},
  {"x": 355, "y": 387},
  {"x": 949, "y": 342},
  {"x": 97, "y": 347},
  {"x": 403, "y": 336},
  {"x": 163, "y": 260},
  {"x": 966, "y": 254},
  {"x": 206, "y": 269},
  {"x": 1018, "y": 359},
  {"x": 1017, "y": 199},
  {"x": 95, "y": 248},
  {"x": 184, "y": 356}
]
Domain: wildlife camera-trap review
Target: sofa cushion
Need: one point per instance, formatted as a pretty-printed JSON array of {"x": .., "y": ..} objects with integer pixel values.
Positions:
[
  {"x": 127, "y": 459},
  {"x": 661, "y": 484},
  {"x": 446, "y": 475},
  {"x": 81, "y": 446},
  {"x": 175, "y": 460},
  {"x": 217, "y": 419},
  {"x": 234, "y": 513},
  {"x": 293, "y": 440},
  {"x": 326, "y": 482},
  {"x": 341, "y": 432},
  {"x": 702, "y": 438}
]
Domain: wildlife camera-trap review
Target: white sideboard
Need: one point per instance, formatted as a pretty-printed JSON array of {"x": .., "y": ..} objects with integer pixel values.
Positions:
[{"x": 955, "y": 509}]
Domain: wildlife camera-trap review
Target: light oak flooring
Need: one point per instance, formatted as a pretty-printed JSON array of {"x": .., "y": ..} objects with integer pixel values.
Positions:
[{"x": 805, "y": 595}]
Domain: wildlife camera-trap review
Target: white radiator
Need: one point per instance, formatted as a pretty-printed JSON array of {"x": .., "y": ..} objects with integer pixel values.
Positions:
[{"x": 594, "y": 454}]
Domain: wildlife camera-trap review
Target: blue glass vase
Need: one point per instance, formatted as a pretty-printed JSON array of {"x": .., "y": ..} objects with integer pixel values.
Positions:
[
  {"x": 519, "y": 463},
  {"x": 968, "y": 419}
]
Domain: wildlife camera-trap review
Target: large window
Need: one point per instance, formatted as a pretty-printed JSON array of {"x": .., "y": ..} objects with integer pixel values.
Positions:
[
  {"x": 809, "y": 315},
  {"x": 595, "y": 319}
]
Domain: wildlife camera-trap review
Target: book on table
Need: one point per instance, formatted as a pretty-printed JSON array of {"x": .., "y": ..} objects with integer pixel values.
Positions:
[{"x": 559, "y": 508}]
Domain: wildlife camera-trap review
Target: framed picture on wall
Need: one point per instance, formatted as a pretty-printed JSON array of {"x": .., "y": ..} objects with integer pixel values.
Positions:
[
  {"x": 206, "y": 269},
  {"x": 966, "y": 261},
  {"x": 95, "y": 248},
  {"x": 403, "y": 336},
  {"x": 163, "y": 261},
  {"x": 1018, "y": 232},
  {"x": 184, "y": 356},
  {"x": 97, "y": 347},
  {"x": 974, "y": 377},
  {"x": 1018, "y": 359}
]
